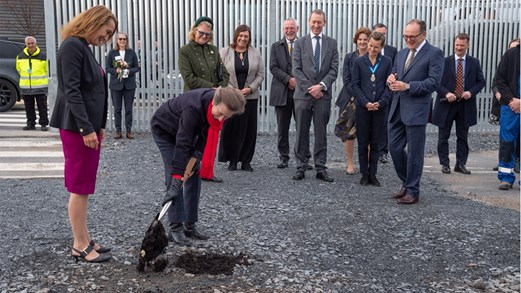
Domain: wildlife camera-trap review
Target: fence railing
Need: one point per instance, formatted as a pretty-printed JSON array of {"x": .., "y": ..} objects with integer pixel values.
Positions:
[{"x": 162, "y": 26}]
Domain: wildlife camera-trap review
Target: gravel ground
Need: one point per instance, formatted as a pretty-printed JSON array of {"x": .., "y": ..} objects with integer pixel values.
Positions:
[{"x": 307, "y": 236}]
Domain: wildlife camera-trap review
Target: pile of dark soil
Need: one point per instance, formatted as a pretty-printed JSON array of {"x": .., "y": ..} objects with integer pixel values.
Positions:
[{"x": 212, "y": 264}]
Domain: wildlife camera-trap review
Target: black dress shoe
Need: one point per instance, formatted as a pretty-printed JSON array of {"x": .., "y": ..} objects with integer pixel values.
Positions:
[
  {"x": 322, "y": 175},
  {"x": 246, "y": 167},
  {"x": 44, "y": 128},
  {"x": 408, "y": 199},
  {"x": 101, "y": 249},
  {"x": 213, "y": 179},
  {"x": 282, "y": 165},
  {"x": 365, "y": 180},
  {"x": 177, "y": 235},
  {"x": 461, "y": 169},
  {"x": 299, "y": 175},
  {"x": 82, "y": 255},
  {"x": 192, "y": 232},
  {"x": 400, "y": 193},
  {"x": 445, "y": 169},
  {"x": 373, "y": 181},
  {"x": 29, "y": 127},
  {"x": 232, "y": 167}
]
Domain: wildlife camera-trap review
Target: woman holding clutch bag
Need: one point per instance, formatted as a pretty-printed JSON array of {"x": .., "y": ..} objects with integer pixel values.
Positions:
[{"x": 201, "y": 67}]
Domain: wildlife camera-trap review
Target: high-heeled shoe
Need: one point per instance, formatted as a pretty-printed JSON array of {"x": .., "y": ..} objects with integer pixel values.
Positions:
[
  {"x": 101, "y": 249},
  {"x": 83, "y": 253}
]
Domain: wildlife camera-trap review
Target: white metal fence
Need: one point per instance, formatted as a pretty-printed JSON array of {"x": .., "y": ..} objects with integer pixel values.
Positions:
[{"x": 162, "y": 27}]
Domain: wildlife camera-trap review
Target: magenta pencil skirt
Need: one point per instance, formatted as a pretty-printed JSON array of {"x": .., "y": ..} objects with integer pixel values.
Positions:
[{"x": 81, "y": 163}]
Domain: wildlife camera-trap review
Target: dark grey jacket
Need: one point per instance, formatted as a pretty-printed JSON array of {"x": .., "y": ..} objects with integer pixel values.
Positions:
[
  {"x": 133, "y": 63},
  {"x": 280, "y": 68}
]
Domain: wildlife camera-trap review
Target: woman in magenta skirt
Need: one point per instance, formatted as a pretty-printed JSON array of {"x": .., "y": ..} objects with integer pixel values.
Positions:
[{"x": 80, "y": 113}]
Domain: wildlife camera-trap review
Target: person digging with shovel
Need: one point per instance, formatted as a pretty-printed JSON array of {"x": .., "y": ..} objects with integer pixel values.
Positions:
[{"x": 180, "y": 130}]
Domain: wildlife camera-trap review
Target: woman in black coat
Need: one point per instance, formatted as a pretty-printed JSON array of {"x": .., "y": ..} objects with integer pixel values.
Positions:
[
  {"x": 80, "y": 112},
  {"x": 180, "y": 127},
  {"x": 369, "y": 75},
  {"x": 122, "y": 64}
]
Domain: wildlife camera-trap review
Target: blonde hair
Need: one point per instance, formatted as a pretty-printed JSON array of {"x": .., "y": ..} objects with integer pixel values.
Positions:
[
  {"x": 191, "y": 34},
  {"x": 232, "y": 98},
  {"x": 116, "y": 45},
  {"x": 88, "y": 22}
]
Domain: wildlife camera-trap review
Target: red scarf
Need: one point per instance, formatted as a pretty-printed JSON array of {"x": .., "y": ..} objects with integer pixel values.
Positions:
[{"x": 210, "y": 149}]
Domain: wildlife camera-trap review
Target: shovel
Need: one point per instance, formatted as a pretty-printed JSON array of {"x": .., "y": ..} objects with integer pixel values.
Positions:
[{"x": 156, "y": 239}]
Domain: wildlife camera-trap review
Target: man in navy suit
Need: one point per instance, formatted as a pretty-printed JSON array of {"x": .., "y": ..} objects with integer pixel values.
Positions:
[
  {"x": 456, "y": 101},
  {"x": 390, "y": 52},
  {"x": 315, "y": 67},
  {"x": 416, "y": 75},
  {"x": 283, "y": 86}
]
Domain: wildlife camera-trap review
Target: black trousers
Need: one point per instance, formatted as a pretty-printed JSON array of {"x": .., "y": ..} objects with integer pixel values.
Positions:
[
  {"x": 118, "y": 97},
  {"x": 239, "y": 136},
  {"x": 283, "y": 114},
  {"x": 30, "y": 112},
  {"x": 370, "y": 132},
  {"x": 457, "y": 114}
]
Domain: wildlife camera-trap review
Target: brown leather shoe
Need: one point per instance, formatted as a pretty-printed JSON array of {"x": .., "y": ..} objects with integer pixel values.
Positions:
[
  {"x": 118, "y": 135},
  {"x": 400, "y": 193},
  {"x": 408, "y": 199},
  {"x": 130, "y": 135}
]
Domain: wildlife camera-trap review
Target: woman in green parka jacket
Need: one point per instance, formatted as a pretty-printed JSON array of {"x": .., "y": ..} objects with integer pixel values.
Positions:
[{"x": 201, "y": 67}]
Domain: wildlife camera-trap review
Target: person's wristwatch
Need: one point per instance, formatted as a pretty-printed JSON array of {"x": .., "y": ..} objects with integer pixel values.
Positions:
[{"x": 407, "y": 86}]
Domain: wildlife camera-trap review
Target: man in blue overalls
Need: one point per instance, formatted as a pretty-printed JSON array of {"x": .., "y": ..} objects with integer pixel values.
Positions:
[{"x": 508, "y": 81}]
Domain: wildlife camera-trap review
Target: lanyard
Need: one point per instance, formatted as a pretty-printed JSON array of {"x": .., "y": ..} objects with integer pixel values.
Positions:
[{"x": 374, "y": 68}]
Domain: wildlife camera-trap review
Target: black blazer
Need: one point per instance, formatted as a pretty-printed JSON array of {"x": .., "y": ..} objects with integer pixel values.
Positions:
[
  {"x": 82, "y": 100},
  {"x": 474, "y": 83},
  {"x": 347, "y": 90},
  {"x": 125, "y": 83},
  {"x": 183, "y": 121},
  {"x": 390, "y": 52},
  {"x": 280, "y": 68},
  {"x": 371, "y": 91}
]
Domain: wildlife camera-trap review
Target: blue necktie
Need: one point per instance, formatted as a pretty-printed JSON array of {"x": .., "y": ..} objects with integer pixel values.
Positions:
[{"x": 317, "y": 55}]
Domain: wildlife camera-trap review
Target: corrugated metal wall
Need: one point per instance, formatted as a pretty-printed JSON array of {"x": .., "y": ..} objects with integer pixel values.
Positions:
[{"x": 162, "y": 27}]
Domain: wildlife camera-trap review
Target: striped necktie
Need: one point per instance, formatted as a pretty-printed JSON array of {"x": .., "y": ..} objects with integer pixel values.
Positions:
[{"x": 409, "y": 60}]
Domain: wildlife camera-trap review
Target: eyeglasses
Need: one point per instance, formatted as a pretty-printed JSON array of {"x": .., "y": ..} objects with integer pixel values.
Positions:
[
  {"x": 203, "y": 34},
  {"x": 122, "y": 39},
  {"x": 411, "y": 38}
]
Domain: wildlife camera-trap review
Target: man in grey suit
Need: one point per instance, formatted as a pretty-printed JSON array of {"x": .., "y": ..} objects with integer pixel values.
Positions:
[
  {"x": 416, "y": 75},
  {"x": 283, "y": 86},
  {"x": 315, "y": 67}
]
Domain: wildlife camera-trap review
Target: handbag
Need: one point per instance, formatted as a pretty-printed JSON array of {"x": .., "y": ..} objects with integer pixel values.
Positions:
[
  {"x": 220, "y": 71},
  {"x": 345, "y": 126}
]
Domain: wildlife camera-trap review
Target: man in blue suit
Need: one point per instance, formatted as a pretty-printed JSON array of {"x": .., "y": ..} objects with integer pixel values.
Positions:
[
  {"x": 416, "y": 75},
  {"x": 456, "y": 101}
]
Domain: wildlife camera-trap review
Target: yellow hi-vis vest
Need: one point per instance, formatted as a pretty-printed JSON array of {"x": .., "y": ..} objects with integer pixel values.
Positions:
[{"x": 33, "y": 70}]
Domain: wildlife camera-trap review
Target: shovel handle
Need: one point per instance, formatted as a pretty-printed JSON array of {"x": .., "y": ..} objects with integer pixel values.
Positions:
[{"x": 188, "y": 172}]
